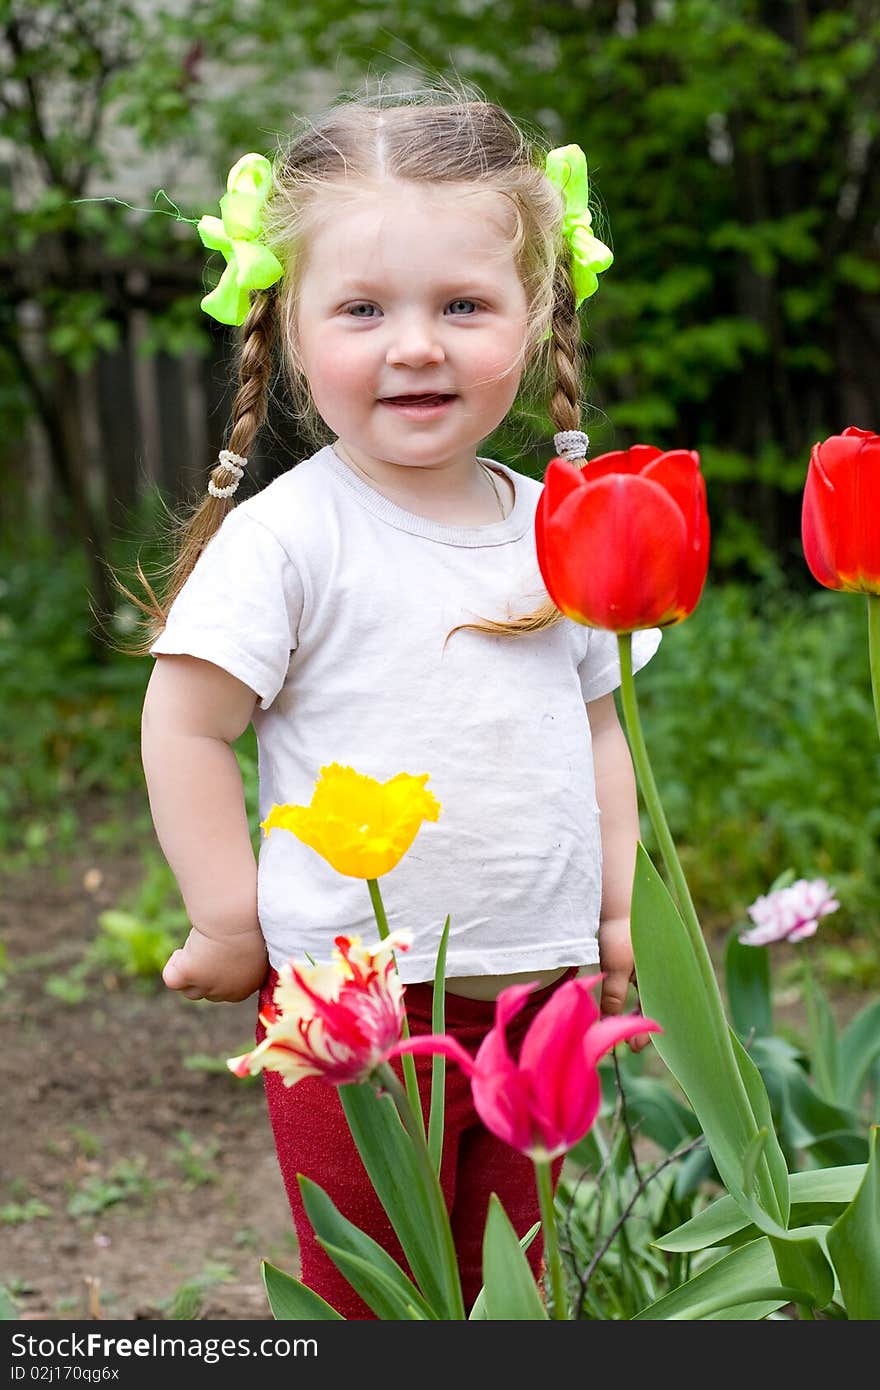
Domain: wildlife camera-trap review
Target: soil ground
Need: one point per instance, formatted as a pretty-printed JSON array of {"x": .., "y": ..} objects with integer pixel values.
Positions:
[
  {"x": 133, "y": 1185},
  {"x": 171, "y": 1169}
]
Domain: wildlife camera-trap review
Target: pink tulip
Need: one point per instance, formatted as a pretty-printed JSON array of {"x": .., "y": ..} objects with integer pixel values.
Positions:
[
  {"x": 546, "y": 1102},
  {"x": 789, "y": 914}
]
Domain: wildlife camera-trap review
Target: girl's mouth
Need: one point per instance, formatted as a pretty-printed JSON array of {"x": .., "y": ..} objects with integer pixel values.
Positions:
[{"x": 418, "y": 407}]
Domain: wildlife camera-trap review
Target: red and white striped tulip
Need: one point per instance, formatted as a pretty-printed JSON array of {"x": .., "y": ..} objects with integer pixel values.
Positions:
[{"x": 337, "y": 1021}]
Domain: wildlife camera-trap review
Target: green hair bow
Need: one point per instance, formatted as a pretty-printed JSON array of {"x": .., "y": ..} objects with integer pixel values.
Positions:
[
  {"x": 566, "y": 167},
  {"x": 250, "y": 265}
]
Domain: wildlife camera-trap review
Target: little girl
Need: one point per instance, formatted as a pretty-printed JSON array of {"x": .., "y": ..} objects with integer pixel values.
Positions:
[{"x": 380, "y": 605}]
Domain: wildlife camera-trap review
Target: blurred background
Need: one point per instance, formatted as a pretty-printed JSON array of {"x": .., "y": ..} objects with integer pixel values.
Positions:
[{"x": 733, "y": 148}]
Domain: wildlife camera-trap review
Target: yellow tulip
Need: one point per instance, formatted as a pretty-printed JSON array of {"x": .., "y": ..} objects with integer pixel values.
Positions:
[{"x": 362, "y": 827}]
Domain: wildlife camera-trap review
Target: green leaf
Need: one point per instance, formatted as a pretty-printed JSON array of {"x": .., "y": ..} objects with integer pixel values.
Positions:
[
  {"x": 694, "y": 1171},
  {"x": 828, "y": 1132},
  {"x": 751, "y": 1159},
  {"x": 826, "y": 1187},
  {"x": 370, "y": 1270},
  {"x": 859, "y": 271},
  {"x": 478, "y": 1311},
  {"x": 8, "y": 1309},
  {"x": 854, "y": 1244},
  {"x": 438, "y": 1061},
  {"x": 747, "y": 977},
  {"x": 803, "y": 1264},
  {"x": 824, "y": 1052},
  {"x": 509, "y": 1288},
  {"x": 744, "y": 1280},
  {"x": 291, "y": 1301},
  {"x": 402, "y": 1186},
  {"x": 859, "y": 1049},
  {"x": 377, "y": 1288},
  {"x": 696, "y": 1042},
  {"x": 760, "y": 1103}
]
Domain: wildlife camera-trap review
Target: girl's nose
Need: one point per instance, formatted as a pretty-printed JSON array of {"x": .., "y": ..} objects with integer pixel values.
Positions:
[{"x": 414, "y": 343}]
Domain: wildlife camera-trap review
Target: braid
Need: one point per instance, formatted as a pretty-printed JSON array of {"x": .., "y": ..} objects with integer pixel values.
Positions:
[
  {"x": 249, "y": 409},
  {"x": 564, "y": 407},
  {"x": 254, "y": 370}
]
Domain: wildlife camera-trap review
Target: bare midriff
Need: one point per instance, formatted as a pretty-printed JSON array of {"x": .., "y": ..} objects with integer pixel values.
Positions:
[{"x": 490, "y": 986}]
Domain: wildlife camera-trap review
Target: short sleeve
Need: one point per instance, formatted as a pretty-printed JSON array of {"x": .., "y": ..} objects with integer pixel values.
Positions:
[
  {"x": 600, "y": 669},
  {"x": 240, "y": 608}
]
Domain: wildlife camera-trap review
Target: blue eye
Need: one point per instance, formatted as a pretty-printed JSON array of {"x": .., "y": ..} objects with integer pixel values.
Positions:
[{"x": 367, "y": 311}]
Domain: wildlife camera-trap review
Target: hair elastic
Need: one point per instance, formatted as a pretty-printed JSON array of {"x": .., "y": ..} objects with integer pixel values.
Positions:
[
  {"x": 571, "y": 444},
  {"x": 235, "y": 465}
]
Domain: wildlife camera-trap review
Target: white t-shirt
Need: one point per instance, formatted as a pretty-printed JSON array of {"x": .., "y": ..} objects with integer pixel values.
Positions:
[{"x": 332, "y": 604}]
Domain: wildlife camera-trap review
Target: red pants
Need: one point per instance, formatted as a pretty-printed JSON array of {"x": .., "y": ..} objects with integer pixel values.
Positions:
[{"x": 312, "y": 1137}]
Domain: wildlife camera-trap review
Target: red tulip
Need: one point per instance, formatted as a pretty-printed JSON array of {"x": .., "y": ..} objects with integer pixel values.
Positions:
[
  {"x": 544, "y": 1103},
  {"x": 840, "y": 518},
  {"x": 623, "y": 543}
]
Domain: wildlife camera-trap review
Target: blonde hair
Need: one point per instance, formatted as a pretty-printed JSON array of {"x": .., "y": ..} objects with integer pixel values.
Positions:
[{"x": 437, "y": 135}]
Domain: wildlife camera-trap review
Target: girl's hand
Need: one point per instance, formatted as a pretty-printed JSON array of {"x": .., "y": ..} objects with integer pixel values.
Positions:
[
  {"x": 616, "y": 960},
  {"x": 223, "y": 970}
]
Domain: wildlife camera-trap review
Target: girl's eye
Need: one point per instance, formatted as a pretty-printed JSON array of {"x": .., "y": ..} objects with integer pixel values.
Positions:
[{"x": 368, "y": 311}]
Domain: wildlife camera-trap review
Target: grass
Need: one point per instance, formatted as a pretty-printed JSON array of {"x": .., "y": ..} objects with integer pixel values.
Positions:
[
  {"x": 187, "y": 1302},
  {"x": 195, "y": 1159},
  {"x": 125, "y": 1181},
  {"x": 18, "y": 1213}
]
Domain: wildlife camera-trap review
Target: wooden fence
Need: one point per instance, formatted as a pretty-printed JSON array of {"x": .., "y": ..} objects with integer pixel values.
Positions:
[{"x": 139, "y": 420}]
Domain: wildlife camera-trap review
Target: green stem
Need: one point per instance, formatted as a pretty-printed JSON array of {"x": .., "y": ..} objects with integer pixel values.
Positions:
[
  {"x": 812, "y": 1015},
  {"x": 411, "y": 1119},
  {"x": 874, "y": 651},
  {"x": 409, "y": 1061},
  {"x": 655, "y": 810},
  {"x": 544, "y": 1180},
  {"x": 687, "y": 911},
  {"x": 378, "y": 907}
]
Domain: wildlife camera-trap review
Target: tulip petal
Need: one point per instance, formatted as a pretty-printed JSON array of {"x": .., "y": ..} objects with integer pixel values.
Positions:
[
  {"x": 560, "y": 479},
  {"x": 567, "y": 1015},
  {"x": 841, "y": 506},
  {"x": 560, "y": 1128},
  {"x": 564, "y": 1085},
  {"x": 610, "y": 1031},
  {"x": 678, "y": 471},
  {"x": 511, "y": 1001},
  {"x": 632, "y": 460},
  {"x": 502, "y": 1099},
  {"x": 362, "y": 827},
  {"x": 493, "y": 1053},
  {"x": 619, "y": 549},
  {"x": 435, "y": 1043},
  {"x": 817, "y": 537},
  {"x": 501, "y": 1091}
]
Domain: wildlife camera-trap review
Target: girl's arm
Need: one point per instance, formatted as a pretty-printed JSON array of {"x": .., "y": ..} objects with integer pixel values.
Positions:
[
  {"x": 193, "y": 711},
  {"x": 619, "y": 824}
]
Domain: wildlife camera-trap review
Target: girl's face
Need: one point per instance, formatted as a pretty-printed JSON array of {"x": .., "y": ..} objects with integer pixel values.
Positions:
[{"x": 410, "y": 292}]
